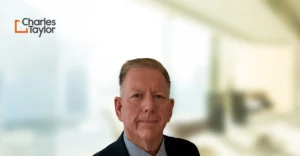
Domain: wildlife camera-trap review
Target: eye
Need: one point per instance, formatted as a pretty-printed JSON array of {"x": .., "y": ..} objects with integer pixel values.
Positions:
[
  {"x": 136, "y": 95},
  {"x": 159, "y": 96}
]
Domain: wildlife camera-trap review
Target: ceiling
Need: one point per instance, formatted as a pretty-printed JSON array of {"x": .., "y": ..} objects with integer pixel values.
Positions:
[{"x": 263, "y": 21}]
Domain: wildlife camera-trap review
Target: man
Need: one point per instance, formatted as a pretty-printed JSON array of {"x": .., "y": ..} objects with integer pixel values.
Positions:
[{"x": 144, "y": 107}]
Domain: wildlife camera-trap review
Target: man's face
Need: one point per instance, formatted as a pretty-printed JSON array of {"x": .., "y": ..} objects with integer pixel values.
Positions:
[{"x": 144, "y": 106}]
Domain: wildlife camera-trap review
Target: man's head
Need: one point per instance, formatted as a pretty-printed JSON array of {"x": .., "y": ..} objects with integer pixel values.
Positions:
[
  {"x": 144, "y": 106},
  {"x": 143, "y": 63}
]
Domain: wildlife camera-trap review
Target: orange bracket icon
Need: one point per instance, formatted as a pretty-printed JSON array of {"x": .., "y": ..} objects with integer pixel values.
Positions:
[{"x": 19, "y": 31}]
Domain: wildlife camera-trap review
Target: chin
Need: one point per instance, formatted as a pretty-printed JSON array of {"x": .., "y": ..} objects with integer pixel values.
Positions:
[{"x": 149, "y": 134}]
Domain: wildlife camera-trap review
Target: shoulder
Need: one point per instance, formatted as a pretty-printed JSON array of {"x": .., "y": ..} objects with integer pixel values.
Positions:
[
  {"x": 179, "y": 142},
  {"x": 116, "y": 148},
  {"x": 106, "y": 151},
  {"x": 181, "y": 146}
]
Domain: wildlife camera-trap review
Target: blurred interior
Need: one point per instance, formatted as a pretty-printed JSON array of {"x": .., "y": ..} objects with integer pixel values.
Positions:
[{"x": 234, "y": 67}]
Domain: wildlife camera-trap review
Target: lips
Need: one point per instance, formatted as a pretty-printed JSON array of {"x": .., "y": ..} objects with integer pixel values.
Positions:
[{"x": 149, "y": 121}]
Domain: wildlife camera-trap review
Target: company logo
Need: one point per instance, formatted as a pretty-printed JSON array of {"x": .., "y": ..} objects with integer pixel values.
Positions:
[{"x": 35, "y": 26}]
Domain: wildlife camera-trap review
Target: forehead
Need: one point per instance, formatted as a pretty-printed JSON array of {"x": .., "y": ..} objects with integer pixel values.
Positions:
[{"x": 145, "y": 78}]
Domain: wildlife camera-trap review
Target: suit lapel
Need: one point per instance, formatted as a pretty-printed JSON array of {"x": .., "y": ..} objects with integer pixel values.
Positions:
[
  {"x": 168, "y": 145},
  {"x": 120, "y": 147}
]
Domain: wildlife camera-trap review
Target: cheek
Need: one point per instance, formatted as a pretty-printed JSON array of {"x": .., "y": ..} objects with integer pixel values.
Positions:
[
  {"x": 165, "y": 113},
  {"x": 129, "y": 114},
  {"x": 167, "y": 116}
]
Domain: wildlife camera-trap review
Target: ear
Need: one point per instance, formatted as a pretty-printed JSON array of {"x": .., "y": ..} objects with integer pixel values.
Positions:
[
  {"x": 118, "y": 108},
  {"x": 171, "y": 106}
]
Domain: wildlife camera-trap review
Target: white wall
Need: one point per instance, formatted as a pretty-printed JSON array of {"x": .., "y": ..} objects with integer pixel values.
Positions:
[{"x": 254, "y": 67}]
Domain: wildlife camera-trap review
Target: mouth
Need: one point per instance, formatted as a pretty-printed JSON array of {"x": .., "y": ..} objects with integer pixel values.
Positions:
[{"x": 149, "y": 121}]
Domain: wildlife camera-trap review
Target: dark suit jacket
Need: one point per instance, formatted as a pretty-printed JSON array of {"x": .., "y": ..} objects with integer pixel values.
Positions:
[{"x": 174, "y": 147}]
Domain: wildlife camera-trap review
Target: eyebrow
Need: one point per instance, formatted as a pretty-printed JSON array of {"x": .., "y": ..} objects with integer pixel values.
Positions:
[
  {"x": 136, "y": 90},
  {"x": 141, "y": 91}
]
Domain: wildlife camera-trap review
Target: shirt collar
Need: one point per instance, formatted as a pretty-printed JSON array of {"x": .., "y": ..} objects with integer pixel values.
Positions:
[{"x": 134, "y": 150}]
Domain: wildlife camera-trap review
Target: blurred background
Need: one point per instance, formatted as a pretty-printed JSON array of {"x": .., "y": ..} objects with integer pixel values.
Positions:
[{"x": 234, "y": 67}]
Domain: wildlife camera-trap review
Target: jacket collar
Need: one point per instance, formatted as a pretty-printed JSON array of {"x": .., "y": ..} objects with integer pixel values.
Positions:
[{"x": 121, "y": 150}]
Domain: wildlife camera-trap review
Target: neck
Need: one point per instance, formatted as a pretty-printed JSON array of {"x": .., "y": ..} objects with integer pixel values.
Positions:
[{"x": 150, "y": 146}]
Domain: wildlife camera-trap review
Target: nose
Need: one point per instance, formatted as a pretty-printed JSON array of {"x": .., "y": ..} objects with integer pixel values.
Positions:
[{"x": 148, "y": 104}]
